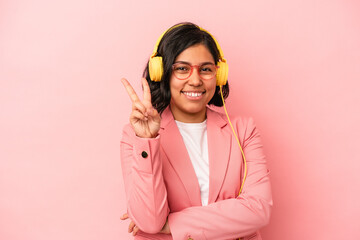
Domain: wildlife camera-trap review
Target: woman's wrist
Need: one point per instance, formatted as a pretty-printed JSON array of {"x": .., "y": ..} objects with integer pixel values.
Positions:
[{"x": 148, "y": 136}]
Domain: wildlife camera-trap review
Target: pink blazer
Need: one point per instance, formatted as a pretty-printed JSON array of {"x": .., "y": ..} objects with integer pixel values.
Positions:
[{"x": 160, "y": 182}]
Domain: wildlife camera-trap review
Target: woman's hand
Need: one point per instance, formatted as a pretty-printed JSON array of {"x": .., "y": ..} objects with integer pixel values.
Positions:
[
  {"x": 144, "y": 118},
  {"x": 132, "y": 227},
  {"x": 166, "y": 228}
]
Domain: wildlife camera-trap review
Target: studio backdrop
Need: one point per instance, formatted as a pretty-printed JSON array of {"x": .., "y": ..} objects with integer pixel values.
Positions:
[{"x": 294, "y": 66}]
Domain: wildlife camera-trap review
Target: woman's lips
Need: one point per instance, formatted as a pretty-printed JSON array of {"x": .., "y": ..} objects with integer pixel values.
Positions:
[{"x": 193, "y": 95}]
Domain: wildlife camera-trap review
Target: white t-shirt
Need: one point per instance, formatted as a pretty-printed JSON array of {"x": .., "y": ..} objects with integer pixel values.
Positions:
[{"x": 195, "y": 139}]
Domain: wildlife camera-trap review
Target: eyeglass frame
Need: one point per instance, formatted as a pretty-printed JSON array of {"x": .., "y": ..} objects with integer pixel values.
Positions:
[{"x": 198, "y": 70}]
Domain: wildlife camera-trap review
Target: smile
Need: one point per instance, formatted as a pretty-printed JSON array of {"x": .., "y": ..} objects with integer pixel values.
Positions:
[{"x": 193, "y": 94}]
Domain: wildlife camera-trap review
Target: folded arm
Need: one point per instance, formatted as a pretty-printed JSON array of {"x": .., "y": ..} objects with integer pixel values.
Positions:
[
  {"x": 144, "y": 185},
  {"x": 236, "y": 217}
]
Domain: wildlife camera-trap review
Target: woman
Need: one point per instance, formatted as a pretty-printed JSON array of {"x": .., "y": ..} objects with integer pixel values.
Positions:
[{"x": 182, "y": 166}]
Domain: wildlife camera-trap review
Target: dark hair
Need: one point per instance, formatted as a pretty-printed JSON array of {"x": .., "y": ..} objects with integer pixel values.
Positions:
[{"x": 175, "y": 41}]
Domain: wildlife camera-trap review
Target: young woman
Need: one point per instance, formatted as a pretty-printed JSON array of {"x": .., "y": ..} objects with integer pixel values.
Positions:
[{"x": 182, "y": 164}]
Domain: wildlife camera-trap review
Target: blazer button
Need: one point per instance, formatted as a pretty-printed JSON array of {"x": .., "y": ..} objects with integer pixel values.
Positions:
[{"x": 144, "y": 154}]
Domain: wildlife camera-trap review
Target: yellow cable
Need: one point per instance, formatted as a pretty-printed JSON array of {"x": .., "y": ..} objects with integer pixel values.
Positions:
[{"x": 237, "y": 139}]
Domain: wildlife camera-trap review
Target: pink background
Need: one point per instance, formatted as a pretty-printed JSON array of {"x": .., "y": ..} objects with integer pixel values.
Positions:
[{"x": 294, "y": 67}]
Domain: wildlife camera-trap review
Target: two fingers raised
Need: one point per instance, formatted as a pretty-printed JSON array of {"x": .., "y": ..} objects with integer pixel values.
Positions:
[
  {"x": 144, "y": 118},
  {"x": 132, "y": 94},
  {"x": 144, "y": 106}
]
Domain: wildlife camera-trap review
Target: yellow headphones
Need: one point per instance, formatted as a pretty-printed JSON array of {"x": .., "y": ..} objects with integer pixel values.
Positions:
[{"x": 156, "y": 68}]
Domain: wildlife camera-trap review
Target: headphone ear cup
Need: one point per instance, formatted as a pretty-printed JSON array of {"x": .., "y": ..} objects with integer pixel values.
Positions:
[
  {"x": 156, "y": 68},
  {"x": 222, "y": 73}
]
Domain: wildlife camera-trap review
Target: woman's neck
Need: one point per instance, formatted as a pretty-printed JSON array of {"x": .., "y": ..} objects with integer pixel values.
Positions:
[{"x": 197, "y": 117}]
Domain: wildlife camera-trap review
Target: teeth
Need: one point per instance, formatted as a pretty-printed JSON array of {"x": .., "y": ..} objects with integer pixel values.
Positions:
[{"x": 193, "y": 94}]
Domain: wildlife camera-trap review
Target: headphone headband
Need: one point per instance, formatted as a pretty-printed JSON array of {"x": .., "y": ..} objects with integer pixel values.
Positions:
[{"x": 154, "y": 53}]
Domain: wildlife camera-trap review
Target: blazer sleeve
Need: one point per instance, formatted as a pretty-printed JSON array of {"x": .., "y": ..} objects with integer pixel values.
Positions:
[
  {"x": 145, "y": 190},
  {"x": 237, "y": 217}
]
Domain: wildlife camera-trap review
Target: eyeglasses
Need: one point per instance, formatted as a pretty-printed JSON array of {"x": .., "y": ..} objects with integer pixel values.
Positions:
[{"x": 183, "y": 71}]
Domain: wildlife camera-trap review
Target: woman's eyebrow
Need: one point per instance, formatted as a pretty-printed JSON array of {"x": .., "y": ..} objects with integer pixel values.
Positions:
[
  {"x": 182, "y": 62},
  {"x": 203, "y": 63}
]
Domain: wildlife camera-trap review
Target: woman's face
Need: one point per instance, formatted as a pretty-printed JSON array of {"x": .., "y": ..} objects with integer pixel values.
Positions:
[{"x": 189, "y": 97}]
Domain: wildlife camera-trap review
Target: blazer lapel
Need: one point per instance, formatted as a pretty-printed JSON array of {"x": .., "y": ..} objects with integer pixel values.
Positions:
[
  {"x": 219, "y": 142},
  {"x": 178, "y": 156}
]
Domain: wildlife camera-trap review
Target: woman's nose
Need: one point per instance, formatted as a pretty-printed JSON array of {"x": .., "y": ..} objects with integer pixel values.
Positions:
[{"x": 195, "y": 79}]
